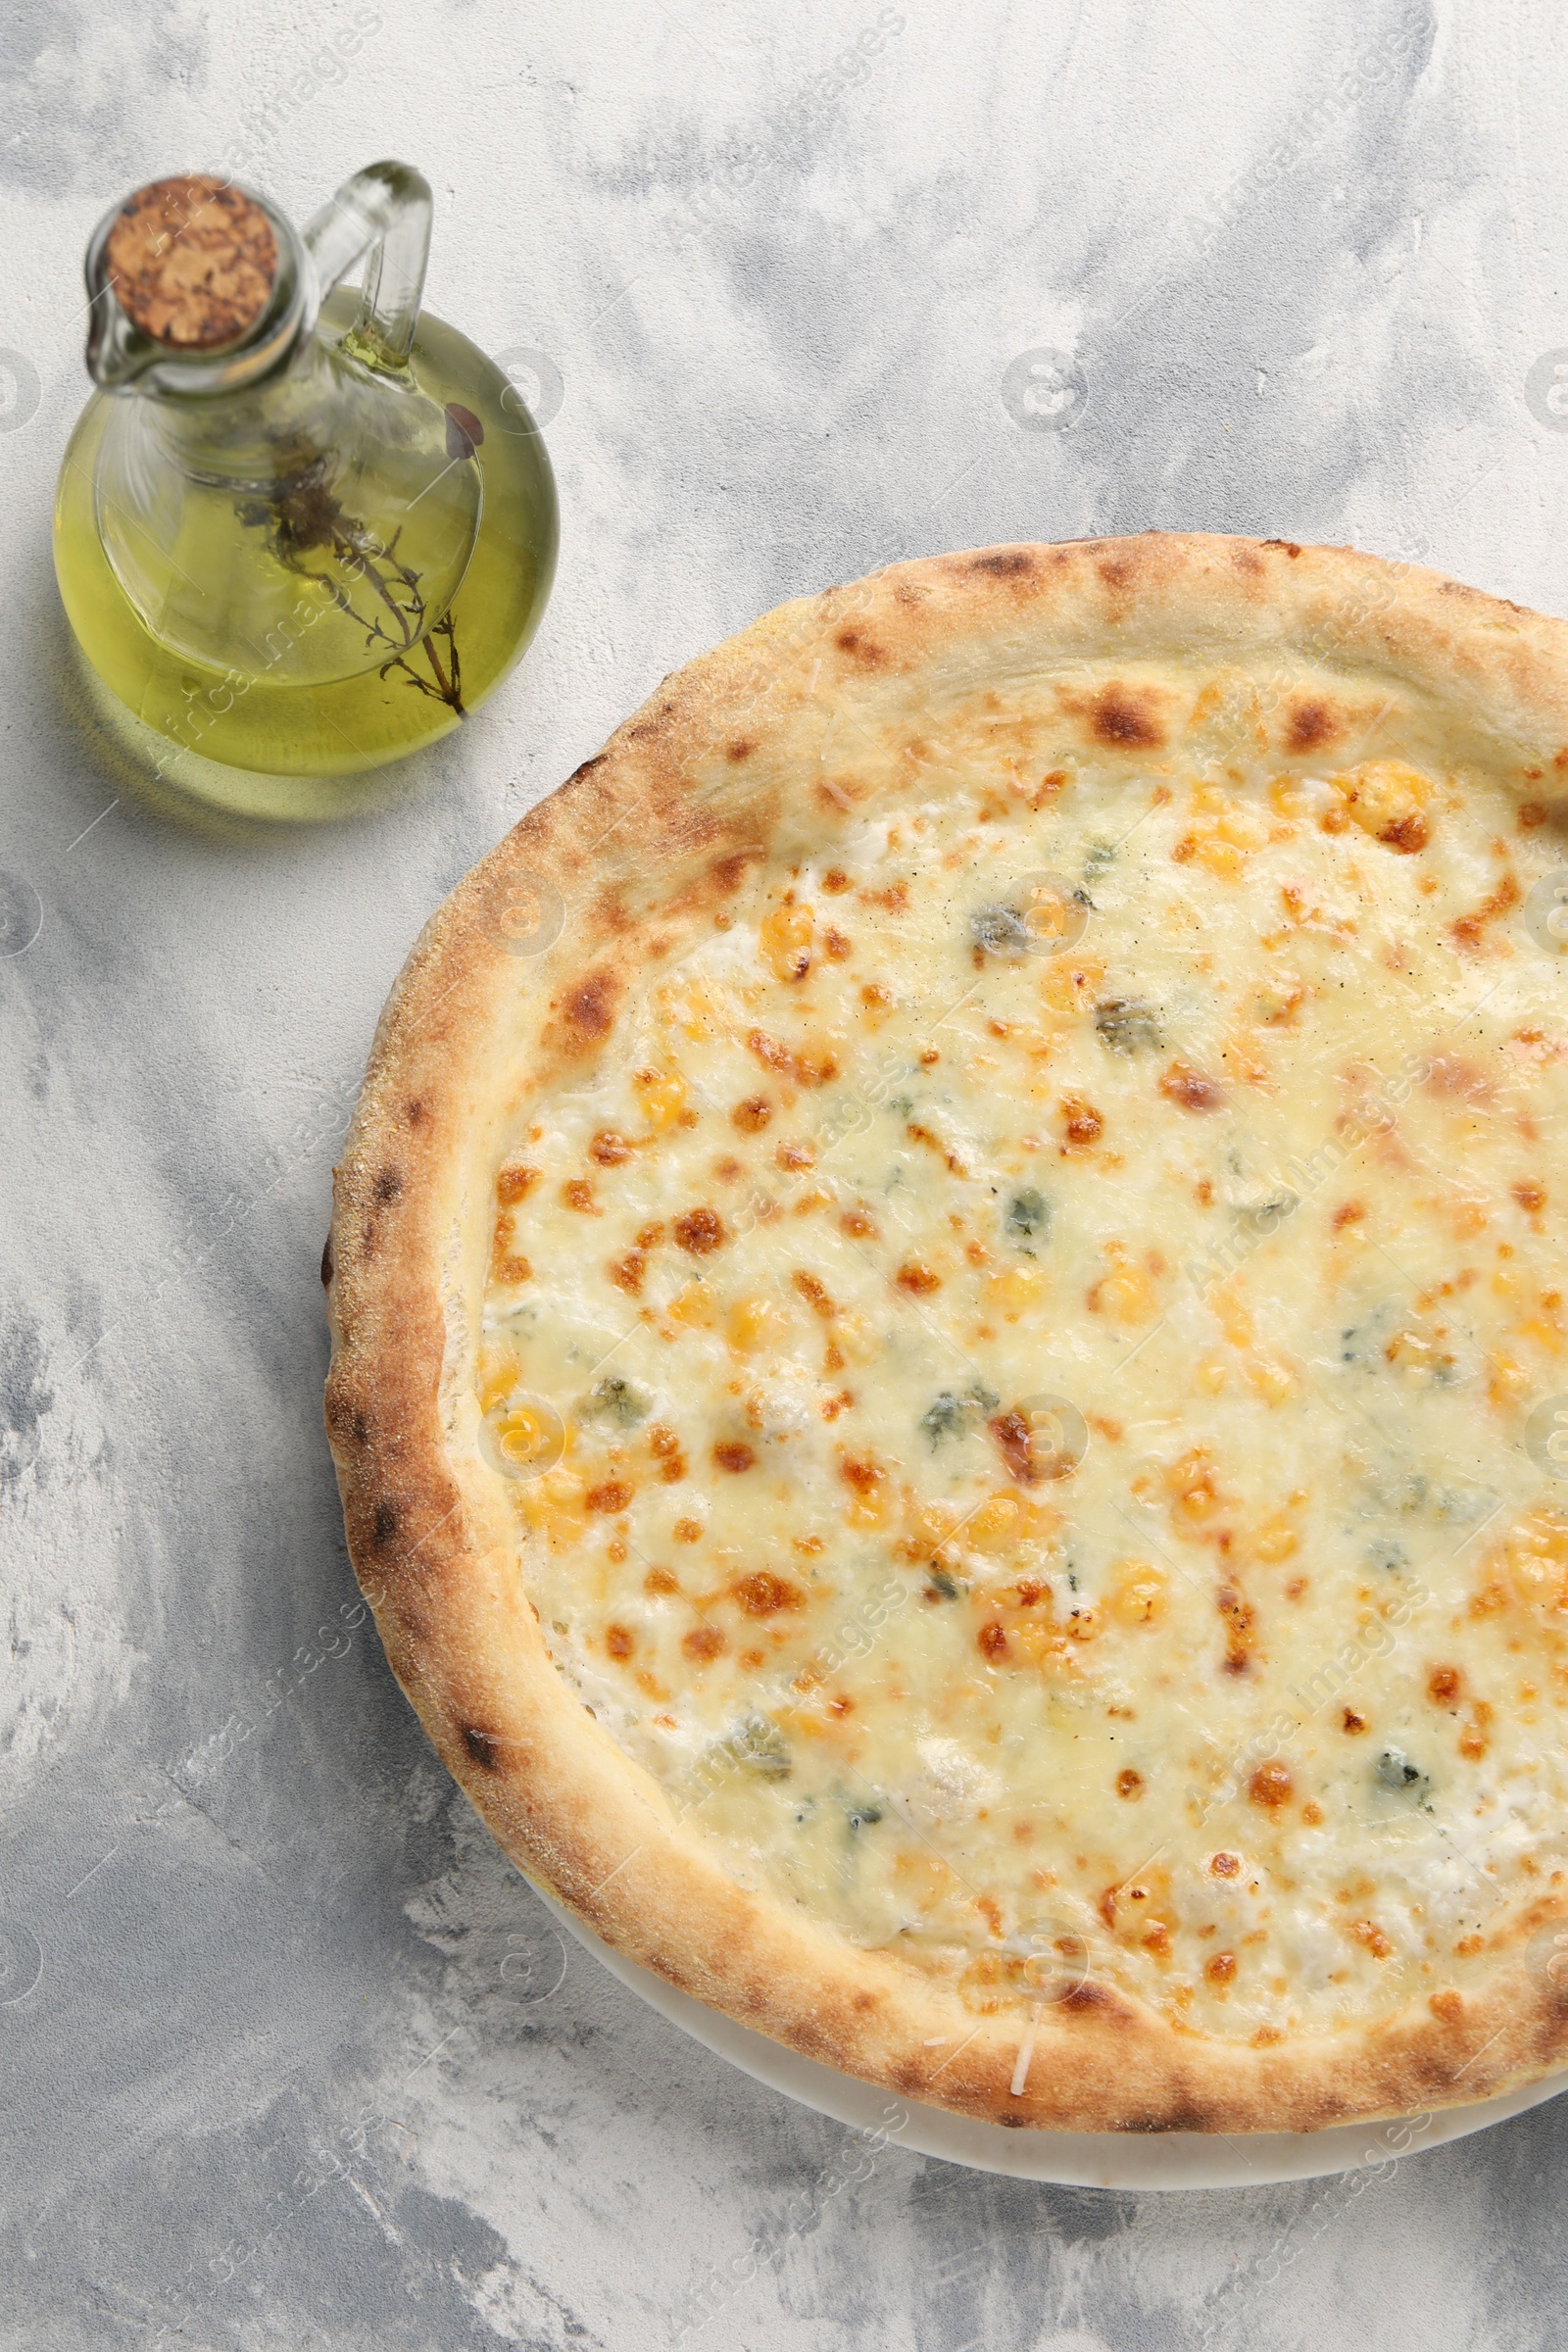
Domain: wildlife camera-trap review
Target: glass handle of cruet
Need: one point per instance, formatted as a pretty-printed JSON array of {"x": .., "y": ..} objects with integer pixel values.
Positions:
[{"x": 383, "y": 212}]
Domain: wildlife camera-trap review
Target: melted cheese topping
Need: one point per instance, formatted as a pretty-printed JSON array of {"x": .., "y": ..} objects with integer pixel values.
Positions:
[{"x": 1026, "y": 1371}]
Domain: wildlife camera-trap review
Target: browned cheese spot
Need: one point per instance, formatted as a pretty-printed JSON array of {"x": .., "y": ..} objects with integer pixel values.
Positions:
[
  {"x": 765, "y": 1594},
  {"x": 666, "y": 1449},
  {"x": 917, "y": 1278},
  {"x": 612, "y": 1494},
  {"x": 864, "y": 1477},
  {"x": 1190, "y": 1089},
  {"x": 1081, "y": 1124},
  {"x": 815, "y": 1294},
  {"x": 1470, "y": 929},
  {"x": 1028, "y": 1463},
  {"x": 700, "y": 1232},
  {"x": 1271, "y": 1787},
  {"x": 1241, "y": 1634}
]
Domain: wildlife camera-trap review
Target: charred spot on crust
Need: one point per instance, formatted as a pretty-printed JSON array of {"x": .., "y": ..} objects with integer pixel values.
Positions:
[
  {"x": 327, "y": 1263},
  {"x": 740, "y": 749},
  {"x": 1289, "y": 545},
  {"x": 1124, "y": 716},
  {"x": 386, "y": 1523},
  {"x": 415, "y": 1112},
  {"x": 1007, "y": 564},
  {"x": 590, "y": 1008},
  {"x": 342, "y": 1423},
  {"x": 1311, "y": 723},
  {"x": 1088, "y": 1996},
  {"x": 484, "y": 1746},
  {"x": 729, "y": 872},
  {"x": 849, "y": 641},
  {"x": 577, "y": 775},
  {"x": 1182, "y": 2115},
  {"x": 388, "y": 1183}
]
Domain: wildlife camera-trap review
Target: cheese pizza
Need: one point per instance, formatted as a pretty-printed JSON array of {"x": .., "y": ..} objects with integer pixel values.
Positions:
[{"x": 951, "y": 1361}]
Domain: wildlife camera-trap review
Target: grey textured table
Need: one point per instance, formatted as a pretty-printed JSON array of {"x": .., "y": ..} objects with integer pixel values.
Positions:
[{"x": 821, "y": 289}]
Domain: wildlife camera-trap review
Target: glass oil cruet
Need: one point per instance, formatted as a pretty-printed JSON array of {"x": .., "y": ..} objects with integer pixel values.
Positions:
[{"x": 297, "y": 530}]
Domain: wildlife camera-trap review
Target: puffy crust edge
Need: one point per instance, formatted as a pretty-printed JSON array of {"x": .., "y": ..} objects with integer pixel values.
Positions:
[{"x": 647, "y": 838}]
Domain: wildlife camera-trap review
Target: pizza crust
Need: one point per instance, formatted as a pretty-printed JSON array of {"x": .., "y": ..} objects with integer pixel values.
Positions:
[{"x": 735, "y": 759}]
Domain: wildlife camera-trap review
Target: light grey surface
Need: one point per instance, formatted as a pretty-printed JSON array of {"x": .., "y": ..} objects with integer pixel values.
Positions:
[{"x": 296, "y": 2070}]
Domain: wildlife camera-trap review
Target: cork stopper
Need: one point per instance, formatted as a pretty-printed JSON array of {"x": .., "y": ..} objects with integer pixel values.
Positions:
[{"x": 192, "y": 261}]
